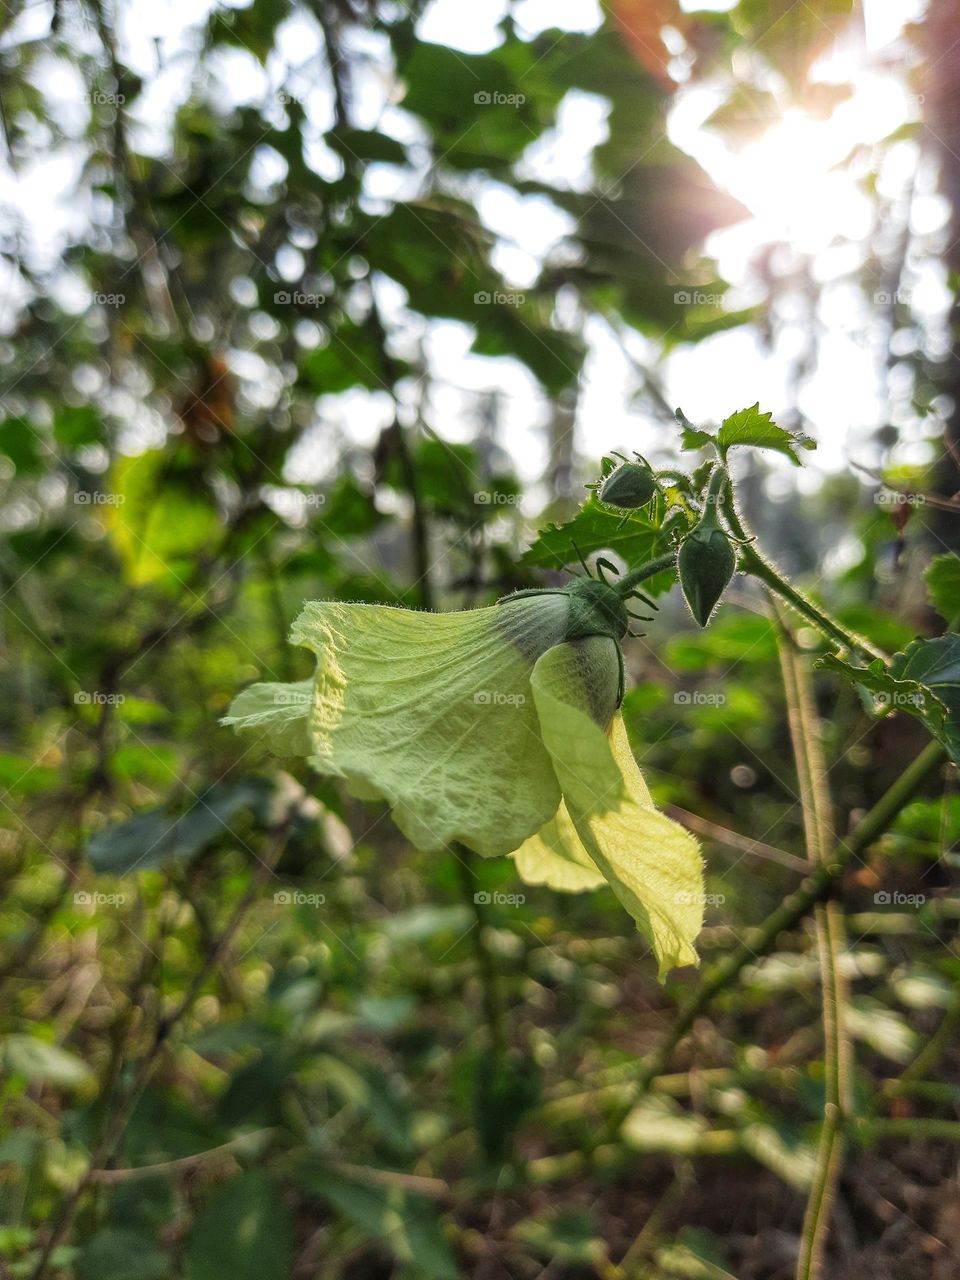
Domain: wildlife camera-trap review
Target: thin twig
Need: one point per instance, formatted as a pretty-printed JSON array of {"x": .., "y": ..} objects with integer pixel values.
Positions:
[
  {"x": 183, "y": 1163},
  {"x": 733, "y": 840},
  {"x": 121, "y": 1116}
]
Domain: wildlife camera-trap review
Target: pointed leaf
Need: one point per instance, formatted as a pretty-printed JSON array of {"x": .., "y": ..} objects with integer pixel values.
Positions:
[{"x": 751, "y": 427}]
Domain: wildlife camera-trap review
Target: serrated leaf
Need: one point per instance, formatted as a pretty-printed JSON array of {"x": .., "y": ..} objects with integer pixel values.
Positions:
[
  {"x": 595, "y": 528},
  {"x": 935, "y": 664},
  {"x": 759, "y": 431},
  {"x": 943, "y": 584},
  {"x": 887, "y": 692},
  {"x": 923, "y": 680}
]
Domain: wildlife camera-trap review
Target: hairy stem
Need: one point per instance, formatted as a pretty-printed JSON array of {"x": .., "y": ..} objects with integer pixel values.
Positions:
[
  {"x": 649, "y": 570},
  {"x": 752, "y": 561}
]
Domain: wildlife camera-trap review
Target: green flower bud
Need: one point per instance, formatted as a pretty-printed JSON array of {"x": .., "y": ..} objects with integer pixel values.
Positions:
[
  {"x": 707, "y": 560},
  {"x": 631, "y": 485}
]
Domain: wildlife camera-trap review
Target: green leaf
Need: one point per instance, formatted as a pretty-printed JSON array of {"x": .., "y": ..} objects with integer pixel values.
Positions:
[
  {"x": 569, "y": 1236},
  {"x": 888, "y": 693},
  {"x": 923, "y": 681},
  {"x": 117, "y": 1253},
  {"x": 243, "y": 1232},
  {"x": 658, "y": 1124},
  {"x": 159, "y": 519},
  {"x": 935, "y": 664},
  {"x": 75, "y": 427},
  {"x": 22, "y": 444},
  {"x": 45, "y": 1063},
  {"x": 406, "y": 1225},
  {"x": 943, "y": 584},
  {"x": 367, "y": 144},
  {"x": 158, "y": 836},
  {"x": 597, "y": 528},
  {"x": 693, "y": 437},
  {"x": 751, "y": 427}
]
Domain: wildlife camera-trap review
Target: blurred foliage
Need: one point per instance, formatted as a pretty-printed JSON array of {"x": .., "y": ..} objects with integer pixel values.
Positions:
[{"x": 363, "y": 1062}]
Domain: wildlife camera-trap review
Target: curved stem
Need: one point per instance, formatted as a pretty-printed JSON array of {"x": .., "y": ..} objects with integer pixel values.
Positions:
[
  {"x": 754, "y": 562},
  {"x": 649, "y": 570}
]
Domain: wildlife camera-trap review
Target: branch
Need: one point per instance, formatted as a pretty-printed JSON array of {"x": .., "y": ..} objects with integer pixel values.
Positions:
[{"x": 122, "y": 1113}]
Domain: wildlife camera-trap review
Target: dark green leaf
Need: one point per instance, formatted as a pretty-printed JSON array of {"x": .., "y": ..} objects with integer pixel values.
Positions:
[
  {"x": 943, "y": 584},
  {"x": 117, "y": 1253},
  {"x": 405, "y": 1225},
  {"x": 923, "y": 681},
  {"x": 243, "y": 1232},
  {"x": 150, "y": 839}
]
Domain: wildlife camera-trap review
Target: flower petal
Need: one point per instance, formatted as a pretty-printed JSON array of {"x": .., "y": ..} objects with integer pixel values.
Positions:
[
  {"x": 279, "y": 712},
  {"x": 652, "y": 864},
  {"x": 556, "y": 857},
  {"x": 434, "y": 713}
]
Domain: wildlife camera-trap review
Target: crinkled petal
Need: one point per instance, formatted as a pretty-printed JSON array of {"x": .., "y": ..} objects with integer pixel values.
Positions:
[
  {"x": 652, "y": 864},
  {"x": 434, "y": 713},
  {"x": 279, "y": 713}
]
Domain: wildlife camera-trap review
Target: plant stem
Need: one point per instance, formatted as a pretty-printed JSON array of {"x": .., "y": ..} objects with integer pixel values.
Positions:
[
  {"x": 753, "y": 562},
  {"x": 817, "y": 821},
  {"x": 648, "y": 570},
  {"x": 489, "y": 978},
  {"x": 793, "y": 909}
]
